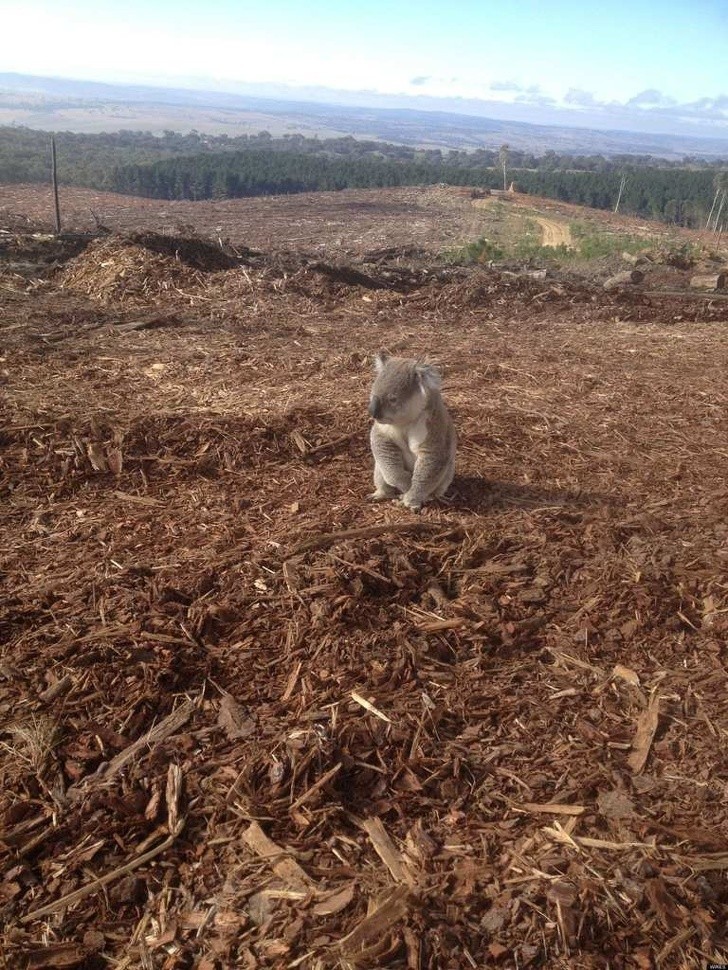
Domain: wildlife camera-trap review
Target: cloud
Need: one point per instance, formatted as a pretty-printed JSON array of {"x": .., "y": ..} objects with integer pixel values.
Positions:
[
  {"x": 581, "y": 98},
  {"x": 651, "y": 98},
  {"x": 515, "y": 87},
  {"x": 711, "y": 108},
  {"x": 420, "y": 80},
  {"x": 655, "y": 104},
  {"x": 505, "y": 86},
  {"x": 532, "y": 94},
  {"x": 538, "y": 99}
]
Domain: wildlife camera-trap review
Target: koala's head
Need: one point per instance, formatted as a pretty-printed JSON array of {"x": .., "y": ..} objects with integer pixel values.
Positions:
[{"x": 401, "y": 389}]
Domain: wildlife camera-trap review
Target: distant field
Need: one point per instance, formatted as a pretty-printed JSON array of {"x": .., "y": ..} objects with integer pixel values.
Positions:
[
  {"x": 160, "y": 118},
  {"x": 54, "y": 104}
]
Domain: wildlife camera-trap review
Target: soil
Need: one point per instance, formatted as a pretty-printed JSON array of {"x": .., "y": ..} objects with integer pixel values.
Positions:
[{"x": 249, "y": 719}]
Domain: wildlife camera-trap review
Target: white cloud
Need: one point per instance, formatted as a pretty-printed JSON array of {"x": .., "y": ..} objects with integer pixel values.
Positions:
[
  {"x": 505, "y": 86},
  {"x": 580, "y": 98},
  {"x": 652, "y": 99}
]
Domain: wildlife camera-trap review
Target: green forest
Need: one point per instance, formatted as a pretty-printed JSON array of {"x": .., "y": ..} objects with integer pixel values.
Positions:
[{"x": 195, "y": 166}]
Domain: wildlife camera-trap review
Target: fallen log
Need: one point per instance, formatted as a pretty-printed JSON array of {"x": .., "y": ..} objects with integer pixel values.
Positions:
[
  {"x": 625, "y": 278},
  {"x": 635, "y": 259},
  {"x": 709, "y": 282}
]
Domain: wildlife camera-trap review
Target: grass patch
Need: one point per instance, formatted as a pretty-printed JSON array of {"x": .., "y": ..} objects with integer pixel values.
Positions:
[
  {"x": 482, "y": 251},
  {"x": 594, "y": 243},
  {"x": 511, "y": 234},
  {"x": 526, "y": 249}
]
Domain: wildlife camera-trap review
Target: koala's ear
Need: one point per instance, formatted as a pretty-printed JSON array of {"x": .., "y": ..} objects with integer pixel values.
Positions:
[
  {"x": 428, "y": 377},
  {"x": 380, "y": 359}
]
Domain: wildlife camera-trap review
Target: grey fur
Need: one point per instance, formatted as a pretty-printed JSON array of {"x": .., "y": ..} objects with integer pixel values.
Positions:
[{"x": 412, "y": 437}]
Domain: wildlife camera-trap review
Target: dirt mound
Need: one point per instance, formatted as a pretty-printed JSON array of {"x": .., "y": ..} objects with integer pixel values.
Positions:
[
  {"x": 124, "y": 271},
  {"x": 35, "y": 254},
  {"x": 487, "y": 288}
]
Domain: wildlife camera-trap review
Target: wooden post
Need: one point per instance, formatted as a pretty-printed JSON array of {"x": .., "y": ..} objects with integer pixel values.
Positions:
[
  {"x": 54, "y": 175},
  {"x": 503, "y": 158},
  {"x": 712, "y": 208},
  {"x": 720, "y": 210}
]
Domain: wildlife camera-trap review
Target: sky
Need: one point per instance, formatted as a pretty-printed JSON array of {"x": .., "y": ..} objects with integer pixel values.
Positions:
[{"x": 653, "y": 66}]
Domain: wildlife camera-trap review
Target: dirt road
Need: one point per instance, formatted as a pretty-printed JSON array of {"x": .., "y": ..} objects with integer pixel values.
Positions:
[{"x": 554, "y": 233}]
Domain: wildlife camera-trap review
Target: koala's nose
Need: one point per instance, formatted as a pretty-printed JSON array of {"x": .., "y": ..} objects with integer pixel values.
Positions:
[{"x": 375, "y": 407}]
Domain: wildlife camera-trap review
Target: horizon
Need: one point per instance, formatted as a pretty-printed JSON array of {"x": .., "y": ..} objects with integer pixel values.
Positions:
[
  {"x": 354, "y": 100},
  {"x": 405, "y": 55}
]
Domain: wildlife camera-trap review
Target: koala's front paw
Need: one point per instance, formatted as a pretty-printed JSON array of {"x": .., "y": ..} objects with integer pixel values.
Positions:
[
  {"x": 379, "y": 496},
  {"x": 413, "y": 502}
]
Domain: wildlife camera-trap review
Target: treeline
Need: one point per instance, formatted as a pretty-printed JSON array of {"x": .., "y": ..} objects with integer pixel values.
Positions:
[
  {"x": 237, "y": 174},
  {"x": 681, "y": 196},
  {"x": 197, "y": 166}
]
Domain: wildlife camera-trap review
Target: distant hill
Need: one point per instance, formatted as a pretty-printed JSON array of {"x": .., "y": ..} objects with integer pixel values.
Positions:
[{"x": 54, "y": 104}]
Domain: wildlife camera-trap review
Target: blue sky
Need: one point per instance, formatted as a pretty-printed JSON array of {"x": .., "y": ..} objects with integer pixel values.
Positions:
[{"x": 657, "y": 66}]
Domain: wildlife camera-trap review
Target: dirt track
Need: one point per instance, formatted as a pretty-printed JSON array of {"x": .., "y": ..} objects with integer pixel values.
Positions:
[
  {"x": 554, "y": 233},
  {"x": 499, "y": 725}
]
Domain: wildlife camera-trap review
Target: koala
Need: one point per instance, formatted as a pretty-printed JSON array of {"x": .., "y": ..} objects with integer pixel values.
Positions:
[{"x": 412, "y": 438}]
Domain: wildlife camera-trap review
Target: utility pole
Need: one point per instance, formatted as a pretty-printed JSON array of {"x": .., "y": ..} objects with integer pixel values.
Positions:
[
  {"x": 54, "y": 175},
  {"x": 621, "y": 190}
]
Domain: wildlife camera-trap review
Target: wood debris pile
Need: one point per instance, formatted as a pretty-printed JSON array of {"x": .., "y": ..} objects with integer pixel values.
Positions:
[
  {"x": 249, "y": 719},
  {"x": 122, "y": 271}
]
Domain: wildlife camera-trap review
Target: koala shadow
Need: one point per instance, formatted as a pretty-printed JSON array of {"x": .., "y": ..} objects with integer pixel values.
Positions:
[{"x": 476, "y": 493}]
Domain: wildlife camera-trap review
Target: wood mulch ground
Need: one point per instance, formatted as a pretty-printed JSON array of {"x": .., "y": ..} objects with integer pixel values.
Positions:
[{"x": 248, "y": 719}]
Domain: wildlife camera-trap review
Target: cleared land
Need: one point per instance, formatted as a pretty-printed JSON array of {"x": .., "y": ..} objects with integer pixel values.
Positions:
[{"x": 249, "y": 719}]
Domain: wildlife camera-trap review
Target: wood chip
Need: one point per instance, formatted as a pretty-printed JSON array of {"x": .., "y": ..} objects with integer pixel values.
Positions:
[
  {"x": 552, "y": 808},
  {"x": 287, "y": 869},
  {"x": 644, "y": 736},
  {"x": 387, "y": 851},
  {"x": 388, "y": 911},
  {"x": 368, "y": 706}
]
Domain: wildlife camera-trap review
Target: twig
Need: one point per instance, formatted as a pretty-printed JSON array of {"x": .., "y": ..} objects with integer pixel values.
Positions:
[
  {"x": 332, "y": 444},
  {"x": 173, "y": 722},
  {"x": 97, "y": 884},
  {"x": 314, "y": 788},
  {"x": 646, "y": 728}
]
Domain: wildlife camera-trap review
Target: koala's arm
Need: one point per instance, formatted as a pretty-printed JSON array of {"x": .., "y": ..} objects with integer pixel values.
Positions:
[
  {"x": 428, "y": 470},
  {"x": 390, "y": 461},
  {"x": 435, "y": 454}
]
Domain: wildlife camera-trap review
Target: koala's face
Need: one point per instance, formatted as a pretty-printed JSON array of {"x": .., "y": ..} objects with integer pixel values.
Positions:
[{"x": 399, "y": 392}]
